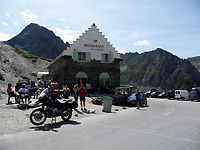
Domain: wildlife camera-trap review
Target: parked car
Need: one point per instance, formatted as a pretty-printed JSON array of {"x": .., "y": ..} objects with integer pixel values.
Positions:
[
  {"x": 148, "y": 93},
  {"x": 161, "y": 95},
  {"x": 194, "y": 94},
  {"x": 24, "y": 81},
  {"x": 153, "y": 90},
  {"x": 155, "y": 94},
  {"x": 170, "y": 94},
  {"x": 132, "y": 100},
  {"x": 181, "y": 94}
]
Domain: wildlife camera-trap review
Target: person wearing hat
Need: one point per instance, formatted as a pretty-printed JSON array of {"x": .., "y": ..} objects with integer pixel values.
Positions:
[{"x": 24, "y": 91}]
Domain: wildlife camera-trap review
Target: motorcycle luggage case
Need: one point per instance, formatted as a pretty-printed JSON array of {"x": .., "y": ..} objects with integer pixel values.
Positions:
[{"x": 73, "y": 104}]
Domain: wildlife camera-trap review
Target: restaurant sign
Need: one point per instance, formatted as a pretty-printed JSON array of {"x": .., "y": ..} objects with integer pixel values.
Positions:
[{"x": 94, "y": 46}]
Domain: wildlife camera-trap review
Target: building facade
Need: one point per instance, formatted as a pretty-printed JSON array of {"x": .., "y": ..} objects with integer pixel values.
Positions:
[{"x": 91, "y": 58}]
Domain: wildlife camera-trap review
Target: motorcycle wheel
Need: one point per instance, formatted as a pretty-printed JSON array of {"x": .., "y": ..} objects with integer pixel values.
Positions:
[
  {"x": 67, "y": 115},
  {"x": 38, "y": 117}
]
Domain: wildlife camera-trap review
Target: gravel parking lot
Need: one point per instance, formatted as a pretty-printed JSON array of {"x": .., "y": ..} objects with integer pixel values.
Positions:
[{"x": 14, "y": 120}]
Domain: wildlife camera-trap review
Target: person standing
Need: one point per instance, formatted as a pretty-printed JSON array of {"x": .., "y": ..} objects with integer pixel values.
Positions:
[
  {"x": 88, "y": 87},
  {"x": 76, "y": 92},
  {"x": 138, "y": 97},
  {"x": 82, "y": 91}
]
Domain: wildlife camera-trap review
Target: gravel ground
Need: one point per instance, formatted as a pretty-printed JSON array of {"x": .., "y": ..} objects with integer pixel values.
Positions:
[{"x": 14, "y": 120}]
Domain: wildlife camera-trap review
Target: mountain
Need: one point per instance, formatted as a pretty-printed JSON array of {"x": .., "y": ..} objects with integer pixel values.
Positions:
[
  {"x": 39, "y": 41},
  {"x": 15, "y": 65},
  {"x": 195, "y": 61},
  {"x": 160, "y": 69}
]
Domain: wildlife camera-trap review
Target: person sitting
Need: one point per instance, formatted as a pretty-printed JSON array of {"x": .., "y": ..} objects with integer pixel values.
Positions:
[
  {"x": 10, "y": 93},
  {"x": 24, "y": 93},
  {"x": 32, "y": 89},
  {"x": 55, "y": 86},
  {"x": 40, "y": 83},
  {"x": 66, "y": 92}
]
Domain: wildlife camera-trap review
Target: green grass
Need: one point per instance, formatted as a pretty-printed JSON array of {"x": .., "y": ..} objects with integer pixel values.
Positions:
[{"x": 28, "y": 55}]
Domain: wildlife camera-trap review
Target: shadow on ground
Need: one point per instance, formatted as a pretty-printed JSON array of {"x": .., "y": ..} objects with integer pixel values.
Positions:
[{"x": 54, "y": 126}]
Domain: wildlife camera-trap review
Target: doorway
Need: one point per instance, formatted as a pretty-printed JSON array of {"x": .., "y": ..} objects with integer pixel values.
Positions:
[{"x": 81, "y": 77}]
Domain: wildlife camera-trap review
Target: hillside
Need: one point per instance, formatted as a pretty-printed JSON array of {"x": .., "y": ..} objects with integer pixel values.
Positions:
[
  {"x": 39, "y": 41},
  {"x": 14, "y": 65},
  {"x": 195, "y": 61},
  {"x": 159, "y": 69}
]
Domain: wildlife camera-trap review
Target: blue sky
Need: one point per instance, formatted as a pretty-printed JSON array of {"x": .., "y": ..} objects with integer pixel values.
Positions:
[{"x": 130, "y": 25}]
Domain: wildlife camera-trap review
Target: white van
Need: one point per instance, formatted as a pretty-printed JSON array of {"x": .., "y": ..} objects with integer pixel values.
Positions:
[{"x": 181, "y": 94}]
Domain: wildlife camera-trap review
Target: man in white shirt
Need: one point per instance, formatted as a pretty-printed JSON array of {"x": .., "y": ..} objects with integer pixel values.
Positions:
[
  {"x": 24, "y": 93},
  {"x": 88, "y": 88}
]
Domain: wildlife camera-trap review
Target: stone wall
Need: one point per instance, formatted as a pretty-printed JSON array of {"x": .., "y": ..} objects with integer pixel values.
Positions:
[{"x": 67, "y": 70}]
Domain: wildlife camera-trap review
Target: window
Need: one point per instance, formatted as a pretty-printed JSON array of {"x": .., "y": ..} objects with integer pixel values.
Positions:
[
  {"x": 81, "y": 77},
  {"x": 104, "y": 80},
  {"x": 106, "y": 58},
  {"x": 81, "y": 56}
]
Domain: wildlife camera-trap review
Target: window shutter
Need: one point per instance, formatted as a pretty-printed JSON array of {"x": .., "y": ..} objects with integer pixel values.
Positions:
[
  {"x": 103, "y": 57},
  {"x": 75, "y": 56},
  {"x": 88, "y": 56},
  {"x": 111, "y": 57}
]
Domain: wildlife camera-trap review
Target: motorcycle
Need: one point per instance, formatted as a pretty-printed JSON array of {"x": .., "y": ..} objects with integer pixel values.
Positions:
[{"x": 51, "y": 108}]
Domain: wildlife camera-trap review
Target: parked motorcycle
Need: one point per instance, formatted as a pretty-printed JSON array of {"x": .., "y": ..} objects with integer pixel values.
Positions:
[{"x": 51, "y": 108}]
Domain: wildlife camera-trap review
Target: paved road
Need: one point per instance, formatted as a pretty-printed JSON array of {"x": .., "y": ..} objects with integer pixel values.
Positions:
[{"x": 164, "y": 125}]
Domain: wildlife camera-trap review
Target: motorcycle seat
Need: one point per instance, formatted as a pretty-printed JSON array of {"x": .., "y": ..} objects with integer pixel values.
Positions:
[{"x": 67, "y": 100}]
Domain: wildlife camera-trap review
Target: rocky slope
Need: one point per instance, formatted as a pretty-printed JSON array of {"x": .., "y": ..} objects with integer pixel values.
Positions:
[
  {"x": 14, "y": 66},
  {"x": 195, "y": 61},
  {"x": 159, "y": 69},
  {"x": 39, "y": 41}
]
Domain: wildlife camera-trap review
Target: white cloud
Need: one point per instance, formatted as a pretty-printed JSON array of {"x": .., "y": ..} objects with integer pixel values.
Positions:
[
  {"x": 140, "y": 43},
  {"x": 120, "y": 51},
  {"x": 5, "y": 37},
  {"x": 28, "y": 15},
  {"x": 16, "y": 23},
  {"x": 4, "y": 23},
  {"x": 66, "y": 35},
  {"x": 8, "y": 15}
]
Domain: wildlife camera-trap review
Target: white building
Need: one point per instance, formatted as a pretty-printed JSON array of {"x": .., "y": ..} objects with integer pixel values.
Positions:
[{"x": 90, "y": 58}]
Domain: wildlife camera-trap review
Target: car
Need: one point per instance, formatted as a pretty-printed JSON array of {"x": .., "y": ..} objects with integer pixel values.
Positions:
[
  {"x": 170, "y": 94},
  {"x": 194, "y": 94},
  {"x": 132, "y": 99},
  {"x": 24, "y": 81},
  {"x": 181, "y": 94},
  {"x": 154, "y": 94},
  {"x": 153, "y": 90},
  {"x": 161, "y": 95},
  {"x": 148, "y": 93}
]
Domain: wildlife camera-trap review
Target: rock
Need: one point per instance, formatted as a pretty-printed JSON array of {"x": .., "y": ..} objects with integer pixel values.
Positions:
[
  {"x": 160, "y": 69},
  {"x": 17, "y": 66},
  {"x": 39, "y": 41},
  {"x": 1, "y": 77}
]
